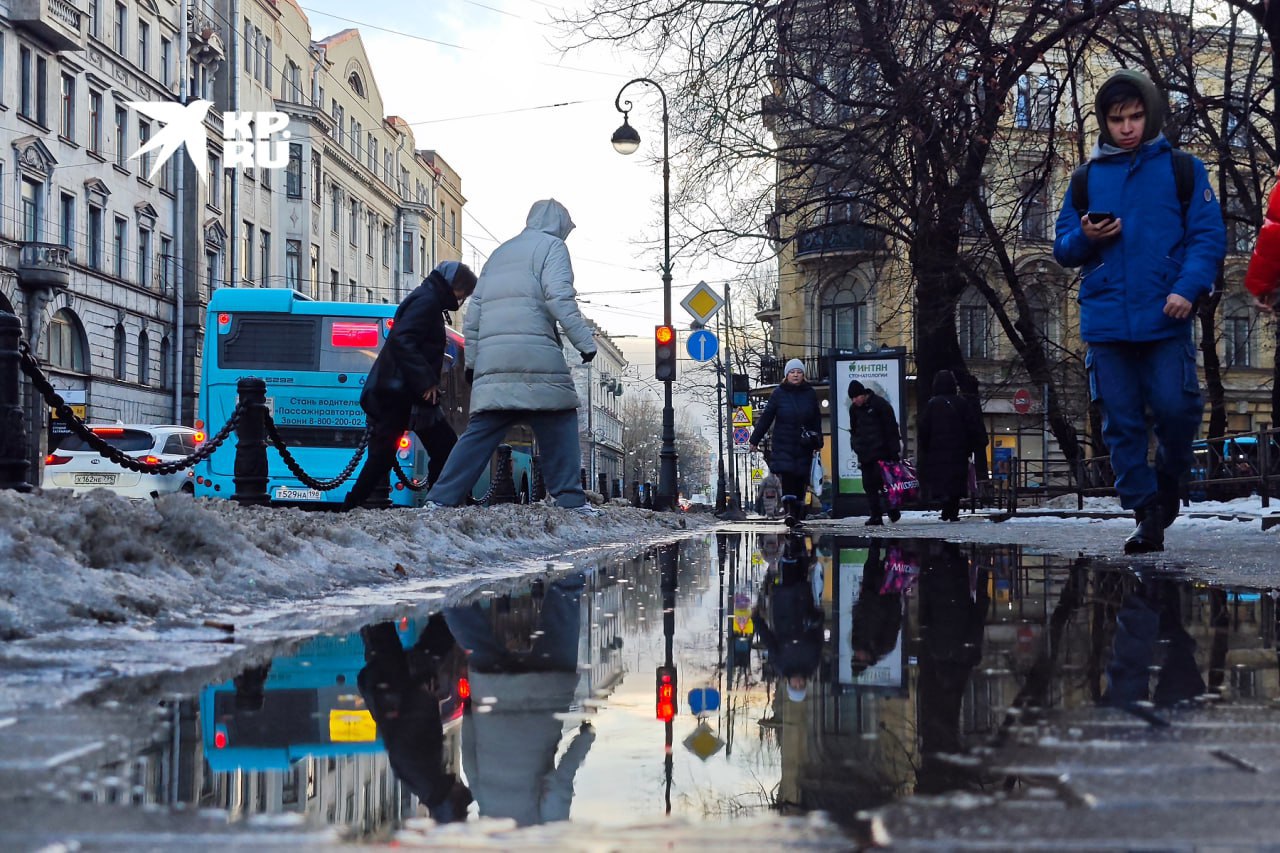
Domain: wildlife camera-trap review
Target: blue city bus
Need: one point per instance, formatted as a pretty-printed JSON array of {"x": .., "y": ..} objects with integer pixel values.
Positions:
[{"x": 314, "y": 357}]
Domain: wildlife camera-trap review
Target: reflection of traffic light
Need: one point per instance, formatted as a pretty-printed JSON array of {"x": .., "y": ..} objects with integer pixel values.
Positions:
[
  {"x": 666, "y": 693},
  {"x": 664, "y": 353}
]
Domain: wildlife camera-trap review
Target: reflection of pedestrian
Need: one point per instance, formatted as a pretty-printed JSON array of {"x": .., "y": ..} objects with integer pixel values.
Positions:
[
  {"x": 516, "y": 358},
  {"x": 1151, "y": 619},
  {"x": 509, "y": 753},
  {"x": 408, "y": 372},
  {"x": 874, "y": 438},
  {"x": 401, "y": 692},
  {"x": 876, "y": 620},
  {"x": 793, "y": 415},
  {"x": 948, "y": 430},
  {"x": 790, "y": 622}
]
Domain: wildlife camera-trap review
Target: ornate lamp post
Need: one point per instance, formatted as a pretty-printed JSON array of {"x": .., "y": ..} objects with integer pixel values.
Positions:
[{"x": 625, "y": 141}]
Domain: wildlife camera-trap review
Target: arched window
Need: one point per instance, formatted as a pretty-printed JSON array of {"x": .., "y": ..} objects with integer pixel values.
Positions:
[
  {"x": 845, "y": 310},
  {"x": 357, "y": 85},
  {"x": 1046, "y": 323},
  {"x": 144, "y": 358},
  {"x": 166, "y": 373},
  {"x": 1239, "y": 344},
  {"x": 64, "y": 344},
  {"x": 975, "y": 326},
  {"x": 120, "y": 351}
]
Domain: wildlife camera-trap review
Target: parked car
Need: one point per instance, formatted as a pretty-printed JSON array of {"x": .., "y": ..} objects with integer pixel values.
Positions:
[{"x": 77, "y": 466}]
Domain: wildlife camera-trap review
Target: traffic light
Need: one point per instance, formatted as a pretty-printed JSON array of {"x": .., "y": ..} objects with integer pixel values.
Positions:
[
  {"x": 666, "y": 693},
  {"x": 664, "y": 353}
]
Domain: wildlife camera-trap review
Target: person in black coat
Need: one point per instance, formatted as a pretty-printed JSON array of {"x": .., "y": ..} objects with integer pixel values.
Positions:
[
  {"x": 790, "y": 623},
  {"x": 407, "y": 373},
  {"x": 948, "y": 433},
  {"x": 969, "y": 390},
  {"x": 796, "y": 420},
  {"x": 876, "y": 621},
  {"x": 874, "y": 438}
]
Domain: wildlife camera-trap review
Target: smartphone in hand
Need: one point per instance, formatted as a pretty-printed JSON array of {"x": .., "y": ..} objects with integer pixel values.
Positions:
[{"x": 1100, "y": 217}]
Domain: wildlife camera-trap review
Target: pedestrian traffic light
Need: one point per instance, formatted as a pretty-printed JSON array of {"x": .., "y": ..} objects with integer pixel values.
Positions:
[
  {"x": 666, "y": 693},
  {"x": 664, "y": 353}
]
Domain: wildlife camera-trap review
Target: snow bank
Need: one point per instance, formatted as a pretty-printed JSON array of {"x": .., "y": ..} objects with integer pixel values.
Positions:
[{"x": 101, "y": 559}]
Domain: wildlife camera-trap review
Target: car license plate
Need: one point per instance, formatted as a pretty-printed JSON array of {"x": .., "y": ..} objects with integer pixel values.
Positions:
[
  {"x": 94, "y": 480},
  {"x": 283, "y": 494}
]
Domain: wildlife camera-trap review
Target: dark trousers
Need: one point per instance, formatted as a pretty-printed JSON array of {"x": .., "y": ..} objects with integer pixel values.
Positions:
[
  {"x": 872, "y": 484},
  {"x": 438, "y": 440},
  {"x": 794, "y": 486}
]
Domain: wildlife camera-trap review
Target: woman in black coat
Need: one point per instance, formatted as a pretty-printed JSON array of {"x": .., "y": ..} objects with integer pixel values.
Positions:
[
  {"x": 796, "y": 419},
  {"x": 947, "y": 437}
]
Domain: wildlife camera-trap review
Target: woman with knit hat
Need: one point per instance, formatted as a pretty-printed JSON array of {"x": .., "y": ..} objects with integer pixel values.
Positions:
[{"x": 796, "y": 420}]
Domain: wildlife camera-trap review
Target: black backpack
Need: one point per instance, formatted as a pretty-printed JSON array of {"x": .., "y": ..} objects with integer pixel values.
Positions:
[{"x": 1184, "y": 178}]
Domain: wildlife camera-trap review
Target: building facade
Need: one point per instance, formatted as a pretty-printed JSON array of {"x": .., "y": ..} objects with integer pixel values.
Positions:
[{"x": 600, "y": 388}]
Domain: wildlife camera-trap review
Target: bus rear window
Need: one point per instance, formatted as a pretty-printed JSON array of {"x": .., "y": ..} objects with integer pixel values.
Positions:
[{"x": 270, "y": 343}]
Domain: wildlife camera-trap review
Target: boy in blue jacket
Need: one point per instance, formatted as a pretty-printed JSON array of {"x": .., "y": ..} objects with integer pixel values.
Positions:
[{"x": 1148, "y": 252}]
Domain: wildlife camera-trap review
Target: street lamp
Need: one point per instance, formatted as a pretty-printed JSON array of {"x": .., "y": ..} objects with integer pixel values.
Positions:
[{"x": 625, "y": 141}]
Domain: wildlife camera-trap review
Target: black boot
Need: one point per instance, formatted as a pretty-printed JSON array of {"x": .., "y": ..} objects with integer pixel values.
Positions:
[
  {"x": 1167, "y": 498},
  {"x": 874, "y": 521},
  {"x": 1149, "y": 534}
]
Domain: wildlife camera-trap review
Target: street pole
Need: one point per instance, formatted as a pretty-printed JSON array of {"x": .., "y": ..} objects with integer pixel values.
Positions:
[{"x": 626, "y": 140}]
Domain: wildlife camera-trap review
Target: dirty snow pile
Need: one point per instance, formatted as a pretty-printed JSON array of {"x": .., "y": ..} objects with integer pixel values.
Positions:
[{"x": 101, "y": 559}]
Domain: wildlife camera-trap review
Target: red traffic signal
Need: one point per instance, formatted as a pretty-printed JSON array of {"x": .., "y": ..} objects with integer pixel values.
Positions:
[
  {"x": 664, "y": 353},
  {"x": 666, "y": 693}
]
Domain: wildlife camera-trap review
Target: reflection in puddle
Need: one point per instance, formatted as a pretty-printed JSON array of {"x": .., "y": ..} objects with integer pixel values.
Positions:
[{"x": 714, "y": 678}]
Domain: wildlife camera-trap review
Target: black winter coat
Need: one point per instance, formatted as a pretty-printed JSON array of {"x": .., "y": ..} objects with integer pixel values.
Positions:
[
  {"x": 412, "y": 357},
  {"x": 790, "y": 409},
  {"x": 873, "y": 430},
  {"x": 947, "y": 438},
  {"x": 793, "y": 632}
]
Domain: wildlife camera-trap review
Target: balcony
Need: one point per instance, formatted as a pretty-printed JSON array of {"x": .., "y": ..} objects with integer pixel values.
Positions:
[
  {"x": 815, "y": 369},
  {"x": 44, "y": 265},
  {"x": 837, "y": 238},
  {"x": 58, "y": 24}
]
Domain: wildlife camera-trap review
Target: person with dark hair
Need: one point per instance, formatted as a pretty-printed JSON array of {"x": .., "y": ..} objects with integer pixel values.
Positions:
[
  {"x": 406, "y": 378},
  {"x": 874, "y": 438},
  {"x": 1142, "y": 221},
  {"x": 969, "y": 390},
  {"x": 793, "y": 414},
  {"x": 789, "y": 620},
  {"x": 947, "y": 434}
]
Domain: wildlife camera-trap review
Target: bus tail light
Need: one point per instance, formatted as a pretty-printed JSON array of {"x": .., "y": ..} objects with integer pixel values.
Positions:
[
  {"x": 220, "y": 737},
  {"x": 199, "y": 436}
]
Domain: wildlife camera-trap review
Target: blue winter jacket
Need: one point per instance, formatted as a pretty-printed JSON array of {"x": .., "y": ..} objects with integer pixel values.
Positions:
[{"x": 1126, "y": 280}]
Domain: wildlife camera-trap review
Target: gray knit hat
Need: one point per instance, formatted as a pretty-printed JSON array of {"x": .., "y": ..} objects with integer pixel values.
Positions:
[{"x": 794, "y": 364}]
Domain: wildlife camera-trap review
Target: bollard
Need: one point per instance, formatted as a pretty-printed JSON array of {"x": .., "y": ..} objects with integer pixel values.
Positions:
[
  {"x": 635, "y": 493},
  {"x": 582, "y": 473},
  {"x": 504, "y": 484},
  {"x": 13, "y": 423},
  {"x": 648, "y": 495},
  {"x": 250, "y": 471},
  {"x": 603, "y": 483},
  {"x": 616, "y": 491},
  {"x": 538, "y": 490}
]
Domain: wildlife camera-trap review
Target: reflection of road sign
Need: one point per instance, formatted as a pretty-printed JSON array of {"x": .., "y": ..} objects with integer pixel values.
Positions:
[
  {"x": 703, "y": 742},
  {"x": 702, "y": 303},
  {"x": 704, "y": 700},
  {"x": 741, "y": 435},
  {"x": 757, "y": 474},
  {"x": 702, "y": 345},
  {"x": 742, "y": 416},
  {"x": 1022, "y": 401}
]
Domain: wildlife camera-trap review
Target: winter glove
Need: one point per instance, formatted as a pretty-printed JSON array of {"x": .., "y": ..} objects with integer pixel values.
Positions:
[
  {"x": 587, "y": 356},
  {"x": 469, "y": 374}
]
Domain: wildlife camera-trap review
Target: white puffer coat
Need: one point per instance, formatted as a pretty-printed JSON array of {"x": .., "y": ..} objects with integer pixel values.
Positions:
[{"x": 525, "y": 289}]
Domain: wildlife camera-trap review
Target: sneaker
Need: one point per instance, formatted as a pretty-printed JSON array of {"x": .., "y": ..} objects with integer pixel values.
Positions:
[
  {"x": 432, "y": 505},
  {"x": 588, "y": 510},
  {"x": 894, "y": 516}
]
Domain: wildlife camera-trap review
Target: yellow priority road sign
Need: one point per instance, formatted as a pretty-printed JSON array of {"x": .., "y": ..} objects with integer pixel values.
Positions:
[{"x": 702, "y": 302}]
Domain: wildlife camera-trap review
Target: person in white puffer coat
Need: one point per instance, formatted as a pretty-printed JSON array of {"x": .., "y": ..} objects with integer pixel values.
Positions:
[{"x": 515, "y": 360}]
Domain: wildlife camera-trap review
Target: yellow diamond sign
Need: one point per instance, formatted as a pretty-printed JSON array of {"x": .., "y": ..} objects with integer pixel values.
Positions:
[
  {"x": 703, "y": 743},
  {"x": 702, "y": 303}
]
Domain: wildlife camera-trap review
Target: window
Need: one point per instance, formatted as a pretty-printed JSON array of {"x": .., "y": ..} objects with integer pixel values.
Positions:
[
  {"x": 64, "y": 343},
  {"x": 973, "y": 316},
  {"x": 1237, "y": 335},
  {"x": 31, "y": 85},
  {"x": 257, "y": 54},
  {"x": 315, "y": 271},
  {"x": 31, "y": 210},
  {"x": 67, "y": 219},
  {"x": 372, "y": 162},
  {"x": 422, "y": 254},
  {"x": 166, "y": 375},
  {"x": 353, "y": 232},
  {"x": 95, "y": 19},
  {"x": 1035, "y": 102},
  {"x": 95, "y": 237},
  {"x": 67, "y": 124},
  {"x": 95, "y": 121},
  {"x": 266, "y": 63},
  {"x": 370, "y": 226},
  {"x": 315, "y": 178},
  {"x": 333, "y": 286},
  {"x": 846, "y": 315},
  {"x": 1035, "y": 211},
  {"x": 121, "y": 135},
  {"x": 453, "y": 228},
  {"x": 144, "y": 358},
  {"x": 144, "y": 257},
  {"x": 119, "y": 243},
  {"x": 293, "y": 172},
  {"x": 166, "y": 261},
  {"x": 386, "y": 245},
  {"x": 120, "y": 352},
  {"x": 246, "y": 253},
  {"x": 352, "y": 290},
  {"x": 335, "y": 209},
  {"x": 293, "y": 264},
  {"x": 215, "y": 184},
  {"x": 291, "y": 82},
  {"x": 144, "y": 45},
  {"x": 246, "y": 46},
  {"x": 440, "y": 218},
  {"x": 265, "y": 175},
  {"x": 264, "y": 257},
  {"x": 144, "y": 162},
  {"x": 166, "y": 61},
  {"x": 406, "y": 251},
  {"x": 122, "y": 22},
  {"x": 211, "y": 277}
]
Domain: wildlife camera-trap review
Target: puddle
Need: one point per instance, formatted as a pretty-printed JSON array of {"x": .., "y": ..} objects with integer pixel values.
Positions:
[{"x": 741, "y": 674}]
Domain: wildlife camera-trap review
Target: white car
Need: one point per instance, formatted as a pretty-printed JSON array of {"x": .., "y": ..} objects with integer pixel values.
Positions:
[{"x": 77, "y": 466}]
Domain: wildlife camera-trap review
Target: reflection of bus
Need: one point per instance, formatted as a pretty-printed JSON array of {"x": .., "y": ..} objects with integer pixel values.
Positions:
[{"x": 314, "y": 358}]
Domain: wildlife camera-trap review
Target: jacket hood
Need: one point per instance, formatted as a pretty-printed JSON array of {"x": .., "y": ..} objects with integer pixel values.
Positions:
[
  {"x": 1157, "y": 107},
  {"x": 944, "y": 382},
  {"x": 550, "y": 217},
  {"x": 442, "y": 289}
]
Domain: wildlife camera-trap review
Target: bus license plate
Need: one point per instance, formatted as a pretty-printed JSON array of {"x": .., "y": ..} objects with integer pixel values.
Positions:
[
  {"x": 94, "y": 480},
  {"x": 283, "y": 494}
]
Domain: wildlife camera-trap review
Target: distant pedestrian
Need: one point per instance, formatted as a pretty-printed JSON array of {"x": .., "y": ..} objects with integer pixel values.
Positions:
[
  {"x": 1142, "y": 221},
  {"x": 406, "y": 376},
  {"x": 517, "y": 362},
  {"x": 796, "y": 420},
  {"x": 874, "y": 438},
  {"x": 948, "y": 433},
  {"x": 969, "y": 390}
]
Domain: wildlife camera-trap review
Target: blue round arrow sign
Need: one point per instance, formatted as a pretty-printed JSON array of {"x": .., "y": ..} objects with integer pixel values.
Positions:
[{"x": 702, "y": 345}]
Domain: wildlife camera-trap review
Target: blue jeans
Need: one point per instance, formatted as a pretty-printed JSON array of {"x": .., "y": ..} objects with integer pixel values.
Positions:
[
  {"x": 557, "y": 434},
  {"x": 1127, "y": 380}
]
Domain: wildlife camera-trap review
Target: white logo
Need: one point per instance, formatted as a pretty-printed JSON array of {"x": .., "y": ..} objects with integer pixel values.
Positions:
[{"x": 247, "y": 136}]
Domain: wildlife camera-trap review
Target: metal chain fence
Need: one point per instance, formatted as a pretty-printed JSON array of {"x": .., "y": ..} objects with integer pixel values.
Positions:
[{"x": 312, "y": 482}]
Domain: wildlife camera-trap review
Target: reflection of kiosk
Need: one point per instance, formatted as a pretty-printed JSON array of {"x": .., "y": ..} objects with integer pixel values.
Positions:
[
  {"x": 851, "y": 557},
  {"x": 881, "y": 371}
]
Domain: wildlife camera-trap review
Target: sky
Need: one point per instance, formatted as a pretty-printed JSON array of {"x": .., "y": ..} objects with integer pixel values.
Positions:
[{"x": 486, "y": 85}]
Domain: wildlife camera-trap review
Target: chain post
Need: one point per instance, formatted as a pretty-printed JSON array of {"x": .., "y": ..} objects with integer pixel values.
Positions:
[
  {"x": 13, "y": 424},
  {"x": 602, "y": 480},
  {"x": 648, "y": 495},
  {"x": 250, "y": 472},
  {"x": 538, "y": 490},
  {"x": 504, "y": 484}
]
